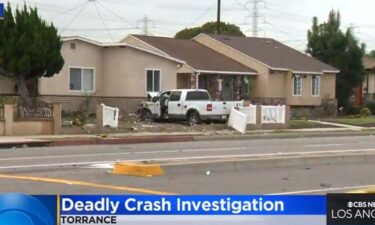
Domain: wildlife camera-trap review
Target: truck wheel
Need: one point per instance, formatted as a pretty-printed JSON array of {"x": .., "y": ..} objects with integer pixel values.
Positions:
[
  {"x": 146, "y": 115},
  {"x": 193, "y": 118}
]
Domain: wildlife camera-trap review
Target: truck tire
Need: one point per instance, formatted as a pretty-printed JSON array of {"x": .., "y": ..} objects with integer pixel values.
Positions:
[
  {"x": 193, "y": 118},
  {"x": 146, "y": 115}
]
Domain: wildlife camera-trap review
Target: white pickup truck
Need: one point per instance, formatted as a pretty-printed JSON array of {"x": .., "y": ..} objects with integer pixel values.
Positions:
[{"x": 193, "y": 105}]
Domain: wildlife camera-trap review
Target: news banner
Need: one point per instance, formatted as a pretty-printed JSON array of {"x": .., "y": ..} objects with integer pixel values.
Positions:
[{"x": 331, "y": 209}]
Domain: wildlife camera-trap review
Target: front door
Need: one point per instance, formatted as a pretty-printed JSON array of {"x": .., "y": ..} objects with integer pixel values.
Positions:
[
  {"x": 227, "y": 88},
  {"x": 174, "y": 104}
]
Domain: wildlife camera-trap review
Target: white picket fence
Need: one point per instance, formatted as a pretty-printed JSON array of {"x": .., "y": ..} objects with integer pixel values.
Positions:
[
  {"x": 273, "y": 114},
  {"x": 237, "y": 120},
  {"x": 250, "y": 112},
  {"x": 110, "y": 116}
]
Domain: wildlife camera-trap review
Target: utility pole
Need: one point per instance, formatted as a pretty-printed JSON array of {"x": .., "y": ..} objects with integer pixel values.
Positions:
[
  {"x": 145, "y": 24},
  {"x": 218, "y": 16}
]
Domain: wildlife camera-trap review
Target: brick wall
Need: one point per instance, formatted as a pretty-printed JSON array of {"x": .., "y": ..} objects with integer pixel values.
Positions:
[
  {"x": 328, "y": 108},
  {"x": 77, "y": 103},
  {"x": 268, "y": 101}
]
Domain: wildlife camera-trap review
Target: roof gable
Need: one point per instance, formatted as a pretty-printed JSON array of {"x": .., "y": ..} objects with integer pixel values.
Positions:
[
  {"x": 274, "y": 54},
  {"x": 119, "y": 44},
  {"x": 196, "y": 55}
]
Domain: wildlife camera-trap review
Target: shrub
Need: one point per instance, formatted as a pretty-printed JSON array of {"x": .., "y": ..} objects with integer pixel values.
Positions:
[
  {"x": 365, "y": 112},
  {"x": 9, "y": 100},
  {"x": 352, "y": 110},
  {"x": 371, "y": 106}
]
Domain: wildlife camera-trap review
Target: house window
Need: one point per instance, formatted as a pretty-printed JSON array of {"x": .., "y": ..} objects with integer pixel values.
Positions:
[
  {"x": 81, "y": 79},
  {"x": 315, "y": 86},
  {"x": 297, "y": 85},
  {"x": 153, "y": 80}
]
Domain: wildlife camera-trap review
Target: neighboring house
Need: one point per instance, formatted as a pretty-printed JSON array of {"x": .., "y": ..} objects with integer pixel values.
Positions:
[
  {"x": 283, "y": 72},
  {"x": 369, "y": 81}
]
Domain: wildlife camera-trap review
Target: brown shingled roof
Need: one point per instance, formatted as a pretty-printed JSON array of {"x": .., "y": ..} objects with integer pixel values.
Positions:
[
  {"x": 195, "y": 55},
  {"x": 274, "y": 54}
]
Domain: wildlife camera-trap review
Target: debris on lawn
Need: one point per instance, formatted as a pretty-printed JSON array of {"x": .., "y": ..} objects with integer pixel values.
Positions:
[
  {"x": 89, "y": 128},
  {"x": 67, "y": 123},
  {"x": 131, "y": 123}
]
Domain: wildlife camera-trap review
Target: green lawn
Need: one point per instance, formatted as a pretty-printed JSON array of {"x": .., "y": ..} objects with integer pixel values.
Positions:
[
  {"x": 366, "y": 121},
  {"x": 299, "y": 124}
]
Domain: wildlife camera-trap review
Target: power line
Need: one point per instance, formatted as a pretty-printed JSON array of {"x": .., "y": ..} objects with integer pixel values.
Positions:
[
  {"x": 68, "y": 10},
  {"x": 101, "y": 19},
  {"x": 116, "y": 15},
  {"x": 98, "y": 29},
  {"x": 75, "y": 17},
  {"x": 201, "y": 16}
]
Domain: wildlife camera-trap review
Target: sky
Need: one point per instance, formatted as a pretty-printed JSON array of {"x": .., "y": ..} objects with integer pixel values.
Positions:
[{"x": 284, "y": 20}]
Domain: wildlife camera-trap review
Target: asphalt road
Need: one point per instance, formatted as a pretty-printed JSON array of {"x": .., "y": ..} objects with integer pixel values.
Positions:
[{"x": 85, "y": 169}]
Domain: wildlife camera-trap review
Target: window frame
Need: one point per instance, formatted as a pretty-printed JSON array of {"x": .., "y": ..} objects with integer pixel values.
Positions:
[
  {"x": 203, "y": 100},
  {"x": 301, "y": 85},
  {"x": 312, "y": 86},
  {"x": 172, "y": 100},
  {"x": 153, "y": 85},
  {"x": 82, "y": 68}
]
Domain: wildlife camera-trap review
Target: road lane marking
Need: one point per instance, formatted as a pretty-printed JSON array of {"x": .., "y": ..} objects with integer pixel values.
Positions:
[
  {"x": 55, "y": 164},
  {"x": 63, "y": 156},
  {"x": 122, "y": 153},
  {"x": 299, "y": 154},
  {"x": 323, "y": 145},
  {"x": 192, "y": 150},
  {"x": 83, "y": 183},
  {"x": 323, "y": 190}
]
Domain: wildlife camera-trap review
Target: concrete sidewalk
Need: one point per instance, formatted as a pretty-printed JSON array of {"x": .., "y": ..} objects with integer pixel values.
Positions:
[
  {"x": 350, "y": 127},
  {"x": 134, "y": 138}
]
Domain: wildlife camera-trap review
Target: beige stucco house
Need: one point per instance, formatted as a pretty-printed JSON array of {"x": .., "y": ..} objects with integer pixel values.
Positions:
[
  {"x": 283, "y": 72},
  {"x": 117, "y": 74},
  {"x": 369, "y": 81},
  {"x": 122, "y": 73}
]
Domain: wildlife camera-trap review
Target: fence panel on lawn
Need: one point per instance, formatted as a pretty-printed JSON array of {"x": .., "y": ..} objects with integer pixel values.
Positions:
[
  {"x": 237, "y": 120},
  {"x": 273, "y": 114},
  {"x": 110, "y": 116},
  {"x": 250, "y": 112}
]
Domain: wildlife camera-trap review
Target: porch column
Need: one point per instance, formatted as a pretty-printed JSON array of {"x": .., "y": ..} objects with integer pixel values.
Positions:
[
  {"x": 216, "y": 87},
  {"x": 193, "y": 81},
  {"x": 237, "y": 87}
]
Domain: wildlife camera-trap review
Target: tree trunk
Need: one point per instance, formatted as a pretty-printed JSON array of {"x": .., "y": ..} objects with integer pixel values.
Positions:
[{"x": 24, "y": 91}]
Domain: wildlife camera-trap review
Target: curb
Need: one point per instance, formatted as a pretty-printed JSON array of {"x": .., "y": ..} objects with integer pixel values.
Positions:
[
  {"x": 175, "y": 138},
  {"x": 127, "y": 140}
]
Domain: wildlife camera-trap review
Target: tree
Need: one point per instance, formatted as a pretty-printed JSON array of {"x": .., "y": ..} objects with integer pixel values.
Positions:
[
  {"x": 328, "y": 43},
  {"x": 209, "y": 28},
  {"x": 371, "y": 54},
  {"x": 29, "y": 48}
]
